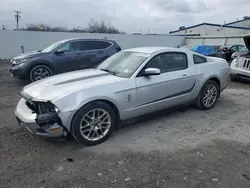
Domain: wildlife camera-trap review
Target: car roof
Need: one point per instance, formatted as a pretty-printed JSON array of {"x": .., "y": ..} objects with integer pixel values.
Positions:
[
  {"x": 86, "y": 38},
  {"x": 203, "y": 45},
  {"x": 151, "y": 50}
]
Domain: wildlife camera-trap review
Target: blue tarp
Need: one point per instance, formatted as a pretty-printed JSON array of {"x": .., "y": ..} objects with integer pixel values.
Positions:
[{"x": 204, "y": 49}]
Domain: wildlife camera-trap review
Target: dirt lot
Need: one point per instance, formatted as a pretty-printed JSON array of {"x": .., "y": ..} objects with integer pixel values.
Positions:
[{"x": 190, "y": 148}]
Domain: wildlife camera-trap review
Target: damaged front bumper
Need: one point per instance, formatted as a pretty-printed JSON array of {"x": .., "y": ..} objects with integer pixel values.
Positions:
[{"x": 47, "y": 124}]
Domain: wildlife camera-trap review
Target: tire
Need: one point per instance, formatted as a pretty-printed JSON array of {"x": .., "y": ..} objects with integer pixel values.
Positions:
[
  {"x": 89, "y": 131},
  {"x": 232, "y": 77},
  {"x": 201, "y": 101},
  {"x": 39, "y": 72}
]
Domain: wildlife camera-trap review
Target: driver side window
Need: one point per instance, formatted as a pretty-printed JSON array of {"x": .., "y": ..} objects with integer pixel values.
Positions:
[
  {"x": 71, "y": 47},
  {"x": 167, "y": 62},
  {"x": 65, "y": 48},
  {"x": 234, "y": 49}
]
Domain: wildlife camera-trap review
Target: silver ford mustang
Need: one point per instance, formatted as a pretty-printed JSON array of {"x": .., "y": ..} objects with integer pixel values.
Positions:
[{"x": 89, "y": 104}]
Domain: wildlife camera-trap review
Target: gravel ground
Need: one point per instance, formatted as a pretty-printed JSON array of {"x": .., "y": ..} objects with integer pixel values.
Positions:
[{"x": 189, "y": 148}]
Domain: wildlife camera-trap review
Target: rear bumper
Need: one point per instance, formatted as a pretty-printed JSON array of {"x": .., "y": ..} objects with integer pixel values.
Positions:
[
  {"x": 26, "y": 118},
  {"x": 240, "y": 74}
]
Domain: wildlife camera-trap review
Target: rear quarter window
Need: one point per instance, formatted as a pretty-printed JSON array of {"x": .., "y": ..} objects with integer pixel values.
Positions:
[
  {"x": 199, "y": 59},
  {"x": 103, "y": 44}
]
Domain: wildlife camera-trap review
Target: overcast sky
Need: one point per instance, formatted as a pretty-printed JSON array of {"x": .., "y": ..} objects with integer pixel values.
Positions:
[{"x": 157, "y": 16}]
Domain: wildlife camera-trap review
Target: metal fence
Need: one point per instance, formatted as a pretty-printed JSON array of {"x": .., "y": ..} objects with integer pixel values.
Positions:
[{"x": 215, "y": 40}]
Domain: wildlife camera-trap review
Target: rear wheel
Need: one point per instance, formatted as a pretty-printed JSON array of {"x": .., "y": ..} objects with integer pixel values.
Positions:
[
  {"x": 40, "y": 72},
  {"x": 208, "y": 95},
  {"x": 93, "y": 123}
]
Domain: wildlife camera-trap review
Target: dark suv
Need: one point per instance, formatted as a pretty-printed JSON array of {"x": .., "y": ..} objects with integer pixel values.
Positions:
[{"x": 63, "y": 56}]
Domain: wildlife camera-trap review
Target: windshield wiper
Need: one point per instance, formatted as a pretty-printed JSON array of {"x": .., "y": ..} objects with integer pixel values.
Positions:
[{"x": 109, "y": 71}]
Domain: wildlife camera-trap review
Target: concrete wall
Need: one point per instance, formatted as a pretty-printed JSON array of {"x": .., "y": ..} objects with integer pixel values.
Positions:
[
  {"x": 215, "y": 40},
  {"x": 11, "y": 41},
  {"x": 207, "y": 30}
]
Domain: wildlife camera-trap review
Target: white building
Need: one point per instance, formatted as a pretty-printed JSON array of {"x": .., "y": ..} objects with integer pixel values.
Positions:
[
  {"x": 240, "y": 23},
  {"x": 241, "y": 27}
]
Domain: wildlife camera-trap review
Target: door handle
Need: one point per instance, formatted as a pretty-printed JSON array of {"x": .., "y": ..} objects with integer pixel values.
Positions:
[
  {"x": 78, "y": 53},
  {"x": 184, "y": 75}
]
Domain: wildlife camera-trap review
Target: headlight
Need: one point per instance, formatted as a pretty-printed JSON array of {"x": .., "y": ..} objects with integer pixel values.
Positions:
[
  {"x": 239, "y": 61},
  {"x": 19, "y": 61},
  {"x": 56, "y": 109},
  {"x": 234, "y": 64}
]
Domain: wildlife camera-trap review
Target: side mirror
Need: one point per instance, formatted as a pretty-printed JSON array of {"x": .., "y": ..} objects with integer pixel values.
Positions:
[
  {"x": 59, "y": 52},
  {"x": 151, "y": 72}
]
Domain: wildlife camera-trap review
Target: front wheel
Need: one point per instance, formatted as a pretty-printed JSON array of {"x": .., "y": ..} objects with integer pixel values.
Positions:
[
  {"x": 208, "y": 95},
  {"x": 93, "y": 123},
  {"x": 39, "y": 72}
]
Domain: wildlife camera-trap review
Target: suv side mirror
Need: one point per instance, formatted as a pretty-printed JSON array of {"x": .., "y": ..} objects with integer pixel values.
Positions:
[
  {"x": 59, "y": 52},
  {"x": 151, "y": 72}
]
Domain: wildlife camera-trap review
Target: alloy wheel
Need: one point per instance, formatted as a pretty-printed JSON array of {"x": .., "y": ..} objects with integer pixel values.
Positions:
[
  {"x": 95, "y": 124},
  {"x": 210, "y": 95},
  {"x": 41, "y": 73}
]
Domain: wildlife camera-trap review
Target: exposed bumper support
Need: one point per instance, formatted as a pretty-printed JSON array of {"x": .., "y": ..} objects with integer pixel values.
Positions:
[{"x": 47, "y": 125}]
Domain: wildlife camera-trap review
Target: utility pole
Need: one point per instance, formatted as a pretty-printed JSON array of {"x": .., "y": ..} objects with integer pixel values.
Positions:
[{"x": 17, "y": 16}]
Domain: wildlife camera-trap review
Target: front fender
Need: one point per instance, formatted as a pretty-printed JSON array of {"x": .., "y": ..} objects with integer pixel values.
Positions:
[
  {"x": 39, "y": 61},
  {"x": 75, "y": 101}
]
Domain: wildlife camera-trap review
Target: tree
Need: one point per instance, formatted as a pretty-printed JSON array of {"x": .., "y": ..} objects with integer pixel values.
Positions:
[
  {"x": 93, "y": 27},
  {"x": 182, "y": 27},
  {"x": 44, "y": 27},
  {"x": 101, "y": 27}
]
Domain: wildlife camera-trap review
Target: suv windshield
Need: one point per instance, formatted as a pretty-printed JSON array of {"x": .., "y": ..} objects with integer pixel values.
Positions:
[
  {"x": 123, "y": 63},
  {"x": 52, "y": 46},
  {"x": 243, "y": 49}
]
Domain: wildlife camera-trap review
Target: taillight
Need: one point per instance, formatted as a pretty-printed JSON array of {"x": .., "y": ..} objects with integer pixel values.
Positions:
[{"x": 118, "y": 49}]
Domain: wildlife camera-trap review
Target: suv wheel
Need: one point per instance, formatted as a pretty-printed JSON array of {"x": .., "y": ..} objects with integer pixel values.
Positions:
[
  {"x": 208, "y": 95},
  {"x": 40, "y": 72},
  {"x": 93, "y": 123}
]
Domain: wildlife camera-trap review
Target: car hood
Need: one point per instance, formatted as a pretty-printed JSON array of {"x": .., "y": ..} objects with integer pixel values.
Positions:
[
  {"x": 67, "y": 83},
  {"x": 247, "y": 41},
  {"x": 32, "y": 54},
  {"x": 236, "y": 54}
]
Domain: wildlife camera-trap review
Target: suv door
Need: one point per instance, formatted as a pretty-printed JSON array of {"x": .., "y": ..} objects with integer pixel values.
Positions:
[
  {"x": 68, "y": 56},
  {"x": 170, "y": 88},
  {"x": 95, "y": 52}
]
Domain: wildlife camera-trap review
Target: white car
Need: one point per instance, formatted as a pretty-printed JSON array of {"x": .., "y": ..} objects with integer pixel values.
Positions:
[
  {"x": 240, "y": 66},
  {"x": 89, "y": 104}
]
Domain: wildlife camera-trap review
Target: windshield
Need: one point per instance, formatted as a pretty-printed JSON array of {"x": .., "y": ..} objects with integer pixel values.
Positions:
[
  {"x": 52, "y": 46},
  {"x": 243, "y": 49},
  {"x": 123, "y": 63}
]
